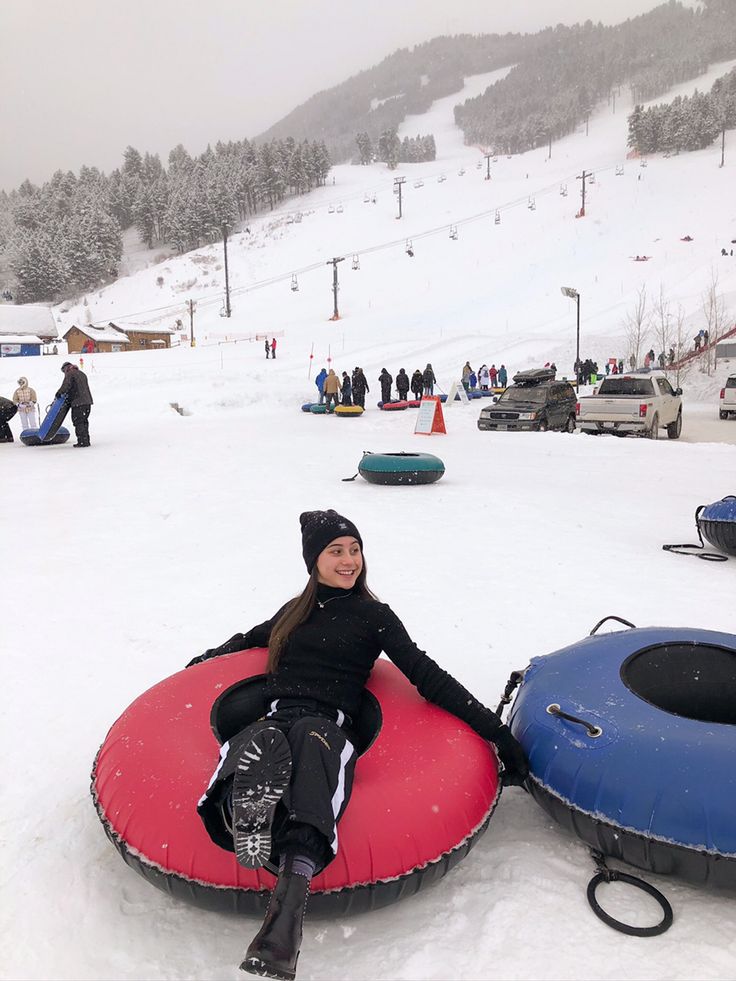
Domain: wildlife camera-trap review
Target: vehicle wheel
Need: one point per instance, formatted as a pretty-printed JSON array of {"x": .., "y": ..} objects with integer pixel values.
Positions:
[
  {"x": 570, "y": 424},
  {"x": 543, "y": 426},
  {"x": 675, "y": 428},
  {"x": 653, "y": 432},
  {"x": 723, "y": 415}
]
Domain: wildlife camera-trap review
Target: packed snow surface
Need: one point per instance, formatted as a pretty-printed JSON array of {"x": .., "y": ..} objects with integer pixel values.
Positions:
[{"x": 174, "y": 531}]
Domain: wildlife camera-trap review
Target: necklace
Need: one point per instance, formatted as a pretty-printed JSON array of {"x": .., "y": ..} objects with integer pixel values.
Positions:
[{"x": 323, "y": 603}]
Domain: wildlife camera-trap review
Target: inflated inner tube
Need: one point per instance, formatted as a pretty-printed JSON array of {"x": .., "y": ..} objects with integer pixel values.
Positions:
[
  {"x": 425, "y": 788},
  {"x": 717, "y": 523},
  {"x": 318, "y": 409},
  {"x": 396, "y": 406},
  {"x": 31, "y": 437},
  {"x": 348, "y": 411},
  {"x": 631, "y": 738},
  {"x": 401, "y": 468}
]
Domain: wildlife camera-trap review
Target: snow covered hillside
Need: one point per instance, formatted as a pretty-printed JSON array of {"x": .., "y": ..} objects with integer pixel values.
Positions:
[{"x": 174, "y": 531}]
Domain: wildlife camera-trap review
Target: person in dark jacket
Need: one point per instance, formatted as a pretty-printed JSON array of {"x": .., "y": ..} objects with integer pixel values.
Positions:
[
  {"x": 319, "y": 381},
  {"x": 76, "y": 389},
  {"x": 268, "y": 349},
  {"x": 7, "y": 411},
  {"x": 386, "y": 381},
  {"x": 402, "y": 384},
  {"x": 283, "y": 783},
  {"x": 347, "y": 389},
  {"x": 417, "y": 384},
  {"x": 429, "y": 380},
  {"x": 360, "y": 387}
]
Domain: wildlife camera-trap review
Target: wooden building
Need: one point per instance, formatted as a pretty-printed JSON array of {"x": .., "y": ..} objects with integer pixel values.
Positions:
[
  {"x": 91, "y": 339},
  {"x": 141, "y": 336}
]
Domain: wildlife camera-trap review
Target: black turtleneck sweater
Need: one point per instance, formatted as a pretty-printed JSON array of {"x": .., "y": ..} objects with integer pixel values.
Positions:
[{"x": 329, "y": 657}]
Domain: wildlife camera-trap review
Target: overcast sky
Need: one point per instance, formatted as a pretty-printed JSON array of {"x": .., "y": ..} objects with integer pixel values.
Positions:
[{"x": 82, "y": 79}]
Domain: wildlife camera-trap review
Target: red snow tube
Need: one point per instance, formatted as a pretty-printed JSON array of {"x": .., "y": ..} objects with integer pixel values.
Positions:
[{"x": 425, "y": 789}]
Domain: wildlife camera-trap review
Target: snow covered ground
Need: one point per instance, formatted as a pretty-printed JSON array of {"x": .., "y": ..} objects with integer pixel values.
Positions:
[{"x": 174, "y": 531}]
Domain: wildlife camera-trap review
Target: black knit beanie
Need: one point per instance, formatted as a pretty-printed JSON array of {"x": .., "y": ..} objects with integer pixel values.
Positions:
[{"x": 319, "y": 528}]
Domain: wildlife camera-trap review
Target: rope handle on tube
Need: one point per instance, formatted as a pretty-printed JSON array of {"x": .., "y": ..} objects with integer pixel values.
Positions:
[
  {"x": 626, "y": 623},
  {"x": 515, "y": 679},
  {"x": 604, "y": 874},
  {"x": 707, "y": 556},
  {"x": 593, "y": 731}
]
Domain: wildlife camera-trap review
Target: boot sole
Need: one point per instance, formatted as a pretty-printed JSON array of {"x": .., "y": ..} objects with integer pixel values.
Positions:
[
  {"x": 254, "y": 965},
  {"x": 261, "y": 778}
]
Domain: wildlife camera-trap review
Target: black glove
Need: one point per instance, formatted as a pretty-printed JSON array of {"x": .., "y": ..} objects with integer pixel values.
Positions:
[
  {"x": 515, "y": 767},
  {"x": 236, "y": 643},
  {"x": 198, "y": 659}
]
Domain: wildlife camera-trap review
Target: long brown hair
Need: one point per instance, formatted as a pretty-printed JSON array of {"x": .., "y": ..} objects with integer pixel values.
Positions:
[{"x": 300, "y": 609}]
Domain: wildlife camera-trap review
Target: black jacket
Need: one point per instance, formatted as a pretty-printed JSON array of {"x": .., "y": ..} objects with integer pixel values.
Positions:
[
  {"x": 330, "y": 656},
  {"x": 417, "y": 382},
  {"x": 402, "y": 383},
  {"x": 76, "y": 388}
]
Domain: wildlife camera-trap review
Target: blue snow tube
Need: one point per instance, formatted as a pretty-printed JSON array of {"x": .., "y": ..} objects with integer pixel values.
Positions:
[
  {"x": 631, "y": 740},
  {"x": 717, "y": 523},
  {"x": 51, "y": 431}
]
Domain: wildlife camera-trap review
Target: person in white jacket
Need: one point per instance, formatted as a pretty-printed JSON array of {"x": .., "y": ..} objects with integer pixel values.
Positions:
[{"x": 25, "y": 398}]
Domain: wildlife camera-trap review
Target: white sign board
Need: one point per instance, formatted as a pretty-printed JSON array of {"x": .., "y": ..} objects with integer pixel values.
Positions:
[
  {"x": 425, "y": 416},
  {"x": 457, "y": 389}
]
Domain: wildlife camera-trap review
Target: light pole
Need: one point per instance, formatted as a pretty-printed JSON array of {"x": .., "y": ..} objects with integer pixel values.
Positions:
[
  {"x": 227, "y": 280},
  {"x": 574, "y": 295}
]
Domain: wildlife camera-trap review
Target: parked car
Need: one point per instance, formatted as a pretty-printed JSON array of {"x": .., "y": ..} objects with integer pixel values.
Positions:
[
  {"x": 535, "y": 401},
  {"x": 728, "y": 398},
  {"x": 641, "y": 403}
]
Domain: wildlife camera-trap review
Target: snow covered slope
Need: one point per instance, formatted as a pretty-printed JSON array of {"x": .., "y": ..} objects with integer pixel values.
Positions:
[{"x": 172, "y": 532}]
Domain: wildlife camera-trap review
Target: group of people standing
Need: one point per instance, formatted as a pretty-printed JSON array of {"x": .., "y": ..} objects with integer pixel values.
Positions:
[
  {"x": 271, "y": 348},
  {"x": 351, "y": 389},
  {"x": 486, "y": 378}
]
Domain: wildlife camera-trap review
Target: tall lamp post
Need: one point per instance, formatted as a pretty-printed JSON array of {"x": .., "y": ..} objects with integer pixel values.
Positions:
[
  {"x": 228, "y": 309},
  {"x": 574, "y": 295}
]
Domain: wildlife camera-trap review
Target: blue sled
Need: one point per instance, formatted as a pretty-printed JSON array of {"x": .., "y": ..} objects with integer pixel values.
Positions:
[{"x": 51, "y": 431}]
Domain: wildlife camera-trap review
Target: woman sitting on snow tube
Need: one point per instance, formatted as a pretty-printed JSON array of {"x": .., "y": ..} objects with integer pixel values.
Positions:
[{"x": 283, "y": 783}]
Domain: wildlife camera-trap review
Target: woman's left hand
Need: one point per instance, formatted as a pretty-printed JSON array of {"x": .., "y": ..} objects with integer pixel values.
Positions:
[{"x": 515, "y": 766}]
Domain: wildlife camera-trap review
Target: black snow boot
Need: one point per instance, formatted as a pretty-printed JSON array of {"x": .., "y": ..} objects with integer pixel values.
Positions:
[
  {"x": 261, "y": 777},
  {"x": 274, "y": 951}
]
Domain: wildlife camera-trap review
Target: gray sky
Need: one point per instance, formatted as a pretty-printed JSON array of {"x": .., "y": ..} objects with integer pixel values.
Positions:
[{"x": 81, "y": 79}]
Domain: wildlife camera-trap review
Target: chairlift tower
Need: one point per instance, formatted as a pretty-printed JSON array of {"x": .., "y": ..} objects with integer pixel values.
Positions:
[
  {"x": 398, "y": 182},
  {"x": 335, "y": 286}
]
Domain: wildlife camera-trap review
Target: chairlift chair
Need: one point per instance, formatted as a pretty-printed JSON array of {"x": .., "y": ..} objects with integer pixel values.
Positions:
[
  {"x": 366, "y": 199},
  {"x": 642, "y": 163},
  {"x": 591, "y": 178},
  {"x": 331, "y": 209},
  {"x": 340, "y": 209},
  {"x": 532, "y": 205},
  {"x": 497, "y": 218},
  {"x": 461, "y": 172},
  {"x": 563, "y": 190},
  {"x": 409, "y": 248},
  {"x": 298, "y": 217},
  {"x": 453, "y": 232},
  {"x": 619, "y": 170},
  {"x": 294, "y": 283},
  {"x": 479, "y": 165},
  {"x": 356, "y": 261}
]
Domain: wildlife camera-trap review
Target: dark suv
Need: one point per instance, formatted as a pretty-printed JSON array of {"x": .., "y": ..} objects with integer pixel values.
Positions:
[{"x": 534, "y": 401}]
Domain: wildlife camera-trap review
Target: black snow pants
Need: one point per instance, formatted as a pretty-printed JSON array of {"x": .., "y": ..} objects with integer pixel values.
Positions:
[
  {"x": 323, "y": 763},
  {"x": 80, "y": 421},
  {"x": 7, "y": 411}
]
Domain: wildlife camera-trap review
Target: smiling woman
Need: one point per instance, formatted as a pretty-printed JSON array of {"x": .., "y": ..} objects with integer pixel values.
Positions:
[{"x": 283, "y": 783}]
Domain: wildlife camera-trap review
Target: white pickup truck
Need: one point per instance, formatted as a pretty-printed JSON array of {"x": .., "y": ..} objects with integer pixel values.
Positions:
[
  {"x": 728, "y": 398},
  {"x": 641, "y": 403}
]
